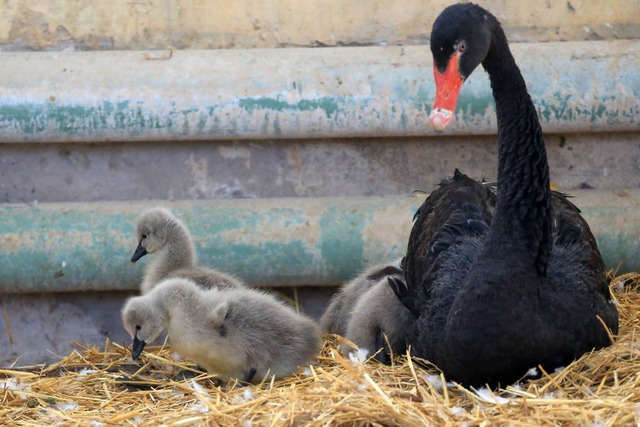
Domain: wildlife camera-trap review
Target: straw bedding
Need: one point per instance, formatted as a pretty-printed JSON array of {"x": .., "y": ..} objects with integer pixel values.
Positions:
[{"x": 98, "y": 387}]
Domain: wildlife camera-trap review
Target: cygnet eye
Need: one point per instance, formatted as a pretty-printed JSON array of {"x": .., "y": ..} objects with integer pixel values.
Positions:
[
  {"x": 144, "y": 236},
  {"x": 138, "y": 327}
]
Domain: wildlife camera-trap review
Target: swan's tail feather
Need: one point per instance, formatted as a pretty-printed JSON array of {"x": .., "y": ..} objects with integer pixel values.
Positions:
[{"x": 405, "y": 294}]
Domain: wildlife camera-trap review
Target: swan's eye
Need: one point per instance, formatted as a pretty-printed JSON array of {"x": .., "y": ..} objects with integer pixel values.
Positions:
[
  {"x": 138, "y": 327},
  {"x": 461, "y": 46},
  {"x": 144, "y": 236}
]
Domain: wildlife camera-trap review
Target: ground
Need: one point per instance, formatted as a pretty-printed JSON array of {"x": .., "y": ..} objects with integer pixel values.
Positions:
[{"x": 105, "y": 387}]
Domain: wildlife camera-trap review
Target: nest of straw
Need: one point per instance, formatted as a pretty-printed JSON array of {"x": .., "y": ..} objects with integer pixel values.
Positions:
[{"x": 105, "y": 387}]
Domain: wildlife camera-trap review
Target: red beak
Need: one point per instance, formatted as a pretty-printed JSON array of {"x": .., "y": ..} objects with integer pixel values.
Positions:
[{"x": 447, "y": 88}]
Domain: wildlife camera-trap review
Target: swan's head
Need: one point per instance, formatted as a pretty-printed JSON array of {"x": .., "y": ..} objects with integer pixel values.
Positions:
[
  {"x": 460, "y": 41},
  {"x": 144, "y": 320},
  {"x": 153, "y": 230}
]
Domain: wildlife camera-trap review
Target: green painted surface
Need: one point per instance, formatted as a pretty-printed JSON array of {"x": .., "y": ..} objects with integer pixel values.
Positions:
[
  {"x": 329, "y": 105},
  {"x": 269, "y": 242},
  {"x": 342, "y": 243},
  {"x": 620, "y": 241},
  {"x": 256, "y": 259},
  {"x": 137, "y": 120},
  {"x": 573, "y": 92}
]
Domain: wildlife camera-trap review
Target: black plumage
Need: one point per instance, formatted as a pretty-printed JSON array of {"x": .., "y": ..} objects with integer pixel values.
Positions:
[{"x": 502, "y": 281}]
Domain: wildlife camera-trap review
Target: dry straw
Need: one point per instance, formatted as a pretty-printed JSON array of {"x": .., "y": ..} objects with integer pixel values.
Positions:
[{"x": 92, "y": 387}]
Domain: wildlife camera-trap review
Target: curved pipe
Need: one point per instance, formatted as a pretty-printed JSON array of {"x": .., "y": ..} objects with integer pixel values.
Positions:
[
  {"x": 267, "y": 242},
  {"x": 298, "y": 93}
]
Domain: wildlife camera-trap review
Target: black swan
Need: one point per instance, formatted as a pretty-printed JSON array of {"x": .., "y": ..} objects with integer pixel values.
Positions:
[{"x": 503, "y": 283}]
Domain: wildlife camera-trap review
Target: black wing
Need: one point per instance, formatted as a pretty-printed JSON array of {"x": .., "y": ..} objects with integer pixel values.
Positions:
[
  {"x": 572, "y": 234},
  {"x": 458, "y": 209}
]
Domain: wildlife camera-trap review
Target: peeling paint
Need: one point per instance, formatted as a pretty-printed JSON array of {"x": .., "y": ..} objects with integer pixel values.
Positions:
[
  {"x": 385, "y": 221},
  {"x": 329, "y": 105},
  {"x": 380, "y": 92},
  {"x": 268, "y": 242},
  {"x": 275, "y": 242}
]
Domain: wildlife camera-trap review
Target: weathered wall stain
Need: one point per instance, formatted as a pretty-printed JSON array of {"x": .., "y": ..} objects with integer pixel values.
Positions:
[{"x": 193, "y": 24}]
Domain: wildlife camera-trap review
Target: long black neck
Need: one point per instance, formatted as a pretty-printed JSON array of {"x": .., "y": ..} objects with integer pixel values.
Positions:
[{"x": 522, "y": 219}]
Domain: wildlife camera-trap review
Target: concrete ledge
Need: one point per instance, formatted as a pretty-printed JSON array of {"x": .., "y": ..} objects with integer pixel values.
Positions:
[
  {"x": 268, "y": 242},
  {"x": 298, "y": 93}
]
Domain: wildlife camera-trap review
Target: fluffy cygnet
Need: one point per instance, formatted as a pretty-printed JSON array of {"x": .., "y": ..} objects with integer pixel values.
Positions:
[
  {"x": 338, "y": 313},
  {"x": 160, "y": 233},
  {"x": 379, "y": 314},
  {"x": 234, "y": 332}
]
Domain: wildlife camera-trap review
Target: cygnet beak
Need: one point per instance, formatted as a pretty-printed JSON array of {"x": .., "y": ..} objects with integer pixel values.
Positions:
[
  {"x": 138, "y": 346},
  {"x": 139, "y": 253}
]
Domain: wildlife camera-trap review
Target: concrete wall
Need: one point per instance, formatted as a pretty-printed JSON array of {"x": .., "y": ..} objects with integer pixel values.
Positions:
[
  {"x": 223, "y": 24},
  {"x": 56, "y": 167},
  {"x": 292, "y": 168}
]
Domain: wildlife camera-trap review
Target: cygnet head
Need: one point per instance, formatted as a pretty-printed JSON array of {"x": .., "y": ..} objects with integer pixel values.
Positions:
[
  {"x": 153, "y": 230},
  {"x": 144, "y": 320}
]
